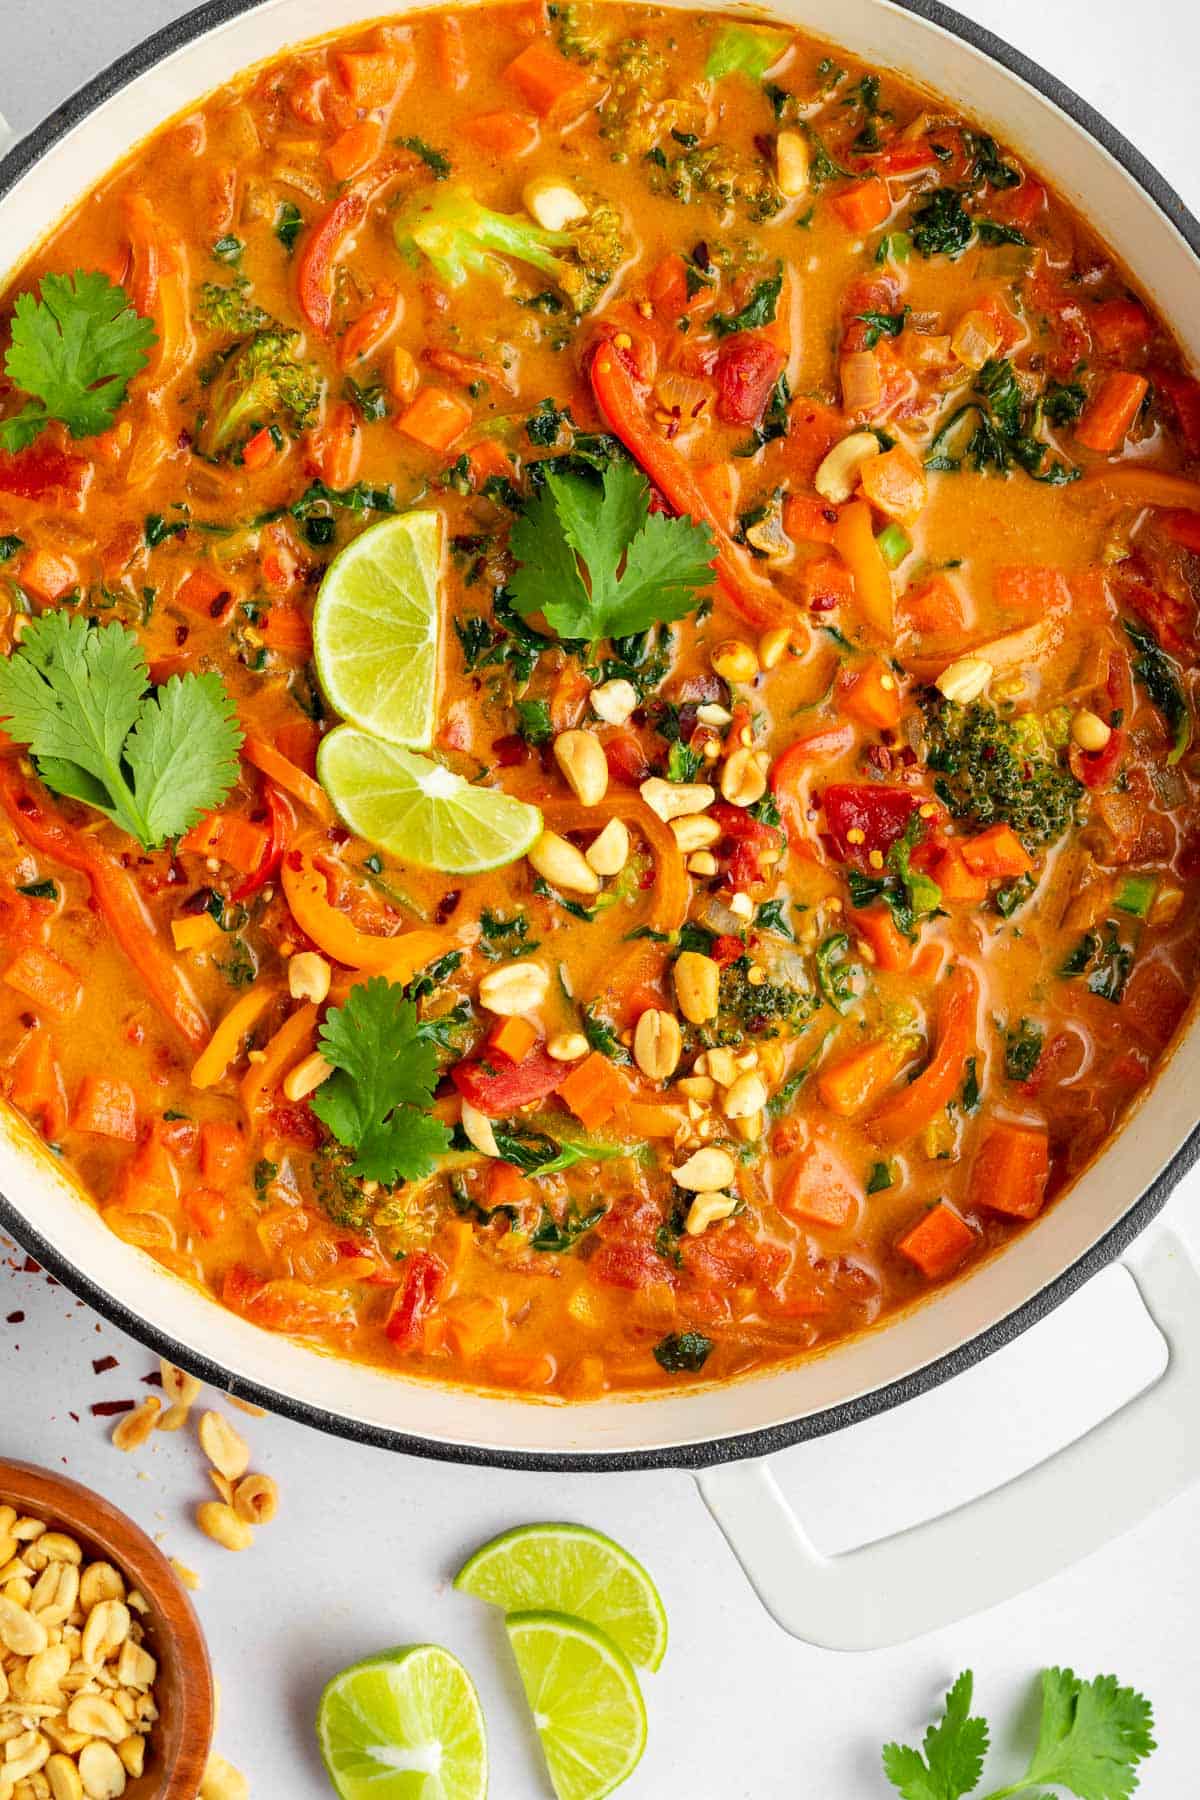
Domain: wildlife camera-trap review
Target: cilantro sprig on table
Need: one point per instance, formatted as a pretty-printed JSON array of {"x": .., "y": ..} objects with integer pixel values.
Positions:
[
  {"x": 154, "y": 762},
  {"x": 377, "y": 1100},
  {"x": 1093, "y": 1734},
  {"x": 74, "y": 351},
  {"x": 598, "y": 564}
]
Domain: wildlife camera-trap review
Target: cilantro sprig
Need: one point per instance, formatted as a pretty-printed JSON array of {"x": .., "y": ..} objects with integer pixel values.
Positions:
[
  {"x": 153, "y": 762},
  {"x": 598, "y": 564},
  {"x": 1093, "y": 1735},
  {"x": 74, "y": 351},
  {"x": 377, "y": 1101}
]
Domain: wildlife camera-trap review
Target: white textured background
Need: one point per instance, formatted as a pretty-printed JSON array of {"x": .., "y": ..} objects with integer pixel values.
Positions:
[{"x": 366, "y": 1542}]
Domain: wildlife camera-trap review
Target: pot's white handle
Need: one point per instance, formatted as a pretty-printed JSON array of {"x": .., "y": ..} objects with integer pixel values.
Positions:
[{"x": 1004, "y": 1542}]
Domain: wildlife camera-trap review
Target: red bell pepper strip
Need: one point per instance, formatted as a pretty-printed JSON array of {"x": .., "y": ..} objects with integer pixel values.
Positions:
[
  {"x": 616, "y": 391},
  {"x": 114, "y": 892},
  {"x": 314, "y": 271},
  {"x": 915, "y": 1106},
  {"x": 424, "y": 1275},
  {"x": 281, "y": 823},
  {"x": 830, "y": 742},
  {"x": 500, "y": 1091},
  {"x": 880, "y": 814}
]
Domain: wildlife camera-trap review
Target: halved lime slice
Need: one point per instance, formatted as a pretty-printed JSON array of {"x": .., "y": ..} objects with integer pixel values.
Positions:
[
  {"x": 375, "y": 628},
  {"x": 585, "y": 1701},
  {"x": 572, "y": 1569},
  {"x": 419, "y": 811},
  {"x": 404, "y": 1725}
]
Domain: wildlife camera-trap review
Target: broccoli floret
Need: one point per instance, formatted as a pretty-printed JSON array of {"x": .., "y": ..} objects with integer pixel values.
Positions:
[
  {"x": 718, "y": 173},
  {"x": 644, "y": 102},
  {"x": 461, "y": 238},
  {"x": 229, "y": 309},
  {"x": 258, "y": 382},
  {"x": 992, "y": 770},
  {"x": 579, "y": 35},
  {"x": 763, "y": 1011}
]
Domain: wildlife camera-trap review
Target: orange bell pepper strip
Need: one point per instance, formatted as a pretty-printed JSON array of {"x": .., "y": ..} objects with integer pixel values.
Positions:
[
  {"x": 787, "y": 771},
  {"x": 314, "y": 269},
  {"x": 307, "y": 894},
  {"x": 294, "y": 1039},
  {"x": 226, "y": 1041},
  {"x": 915, "y": 1106},
  {"x": 616, "y": 390},
  {"x": 1139, "y": 486},
  {"x": 671, "y": 890},
  {"x": 116, "y": 895},
  {"x": 854, "y": 539},
  {"x": 268, "y": 761}
]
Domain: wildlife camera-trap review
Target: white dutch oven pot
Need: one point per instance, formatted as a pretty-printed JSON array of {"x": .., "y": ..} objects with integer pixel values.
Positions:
[{"x": 984, "y": 1551}]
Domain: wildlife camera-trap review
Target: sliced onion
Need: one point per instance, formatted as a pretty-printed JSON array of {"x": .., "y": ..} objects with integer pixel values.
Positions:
[
  {"x": 861, "y": 387},
  {"x": 682, "y": 394}
]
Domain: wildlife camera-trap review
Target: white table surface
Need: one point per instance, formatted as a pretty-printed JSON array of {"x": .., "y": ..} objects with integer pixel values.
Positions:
[{"x": 362, "y": 1552}]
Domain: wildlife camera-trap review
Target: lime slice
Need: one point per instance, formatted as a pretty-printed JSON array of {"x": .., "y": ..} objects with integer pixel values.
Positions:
[
  {"x": 418, "y": 810},
  {"x": 572, "y": 1569},
  {"x": 404, "y": 1725},
  {"x": 375, "y": 628},
  {"x": 585, "y": 1701}
]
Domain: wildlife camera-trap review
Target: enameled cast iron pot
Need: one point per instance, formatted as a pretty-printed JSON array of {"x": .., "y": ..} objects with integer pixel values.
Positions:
[{"x": 984, "y": 1551}]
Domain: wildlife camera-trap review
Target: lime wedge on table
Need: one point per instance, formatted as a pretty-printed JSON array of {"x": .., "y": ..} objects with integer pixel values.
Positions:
[
  {"x": 375, "y": 628},
  {"x": 404, "y": 1725},
  {"x": 420, "y": 811},
  {"x": 585, "y": 1701},
  {"x": 572, "y": 1569}
]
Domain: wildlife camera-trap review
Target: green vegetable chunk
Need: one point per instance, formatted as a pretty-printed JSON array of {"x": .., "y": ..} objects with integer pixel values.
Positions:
[{"x": 991, "y": 770}]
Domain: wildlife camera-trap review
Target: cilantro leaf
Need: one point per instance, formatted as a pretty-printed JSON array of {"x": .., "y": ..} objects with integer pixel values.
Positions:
[
  {"x": 151, "y": 762},
  {"x": 377, "y": 1100},
  {"x": 954, "y": 1752},
  {"x": 598, "y": 564},
  {"x": 74, "y": 351},
  {"x": 1093, "y": 1735},
  {"x": 758, "y": 311}
]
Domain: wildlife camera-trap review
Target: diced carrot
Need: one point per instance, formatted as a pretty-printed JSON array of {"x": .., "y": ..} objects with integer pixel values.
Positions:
[
  {"x": 529, "y": 19},
  {"x": 718, "y": 482},
  {"x": 355, "y": 149},
  {"x": 205, "y": 593},
  {"x": 854, "y": 536},
  {"x": 487, "y": 458},
  {"x": 505, "y": 134},
  {"x": 1111, "y": 412},
  {"x": 960, "y": 885},
  {"x": 506, "y": 1186},
  {"x": 370, "y": 77},
  {"x": 938, "y": 1242},
  {"x": 1121, "y": 326},
  {"x": 195, "y": 931},
  {"x": 650, "y": 1119},
  {"x": 45, "y": 981},
  {"x": 286, "y": 628},
  {"x": 473, "y": 1323},
  {"x": 593, "y": 1090},
  {"x": 1011, "y": 1170},
  {"x": 106, "y": 1106},
  {"x": 864, "y": 206},
  {"x": 809, "y": 521},
  {"x": 205, "y": 1208},
  {"x": 859, "y": 1079},
  {"x": 892, "y": 950},
  {"x": 259, "y": 450},
  {"x": 1183, "y": 528},
  {"x": 934, "y": 608},
  {"x": 894, "y": 483},
  {"x": 825, "y": 583},
  {"x": 222, "y": 1150},
  {"x": 522, "y": 1368},
  {"x": 996, "y": 852},
  {"x": 546, "y": 78},
  {"x": 1030, "y": 589},
  {"x": 149, "y": 1181},
  {"x": 819, "y": 1188},
  {"x": 36, "y": 1083},
  {"x": 512, "y": 1039},
  {"x": 435, "y": 418},
  {"x": 450, "y": 47},
  {"x": 869, "y": 695},
  {"x": 236, "y": 841},
  {"x": 47, "y": 575}
]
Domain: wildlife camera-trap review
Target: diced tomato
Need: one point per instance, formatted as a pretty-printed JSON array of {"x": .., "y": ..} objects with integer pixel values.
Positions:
[
  {"x": 748, "y": 365},
  {"x": 749, "y": 837},
  {"x": 499, "y": 1091},
  {"x": 630, "y": 1265},
  {"x": 879, "y": 814},
  {"x": 37, "y": 473},
  {"x": 409, "y": 1313},
  {"x": 1182, "y": 393},
  {"x": 626, "y": 758},
  {"x": 1121, "y": 326}
]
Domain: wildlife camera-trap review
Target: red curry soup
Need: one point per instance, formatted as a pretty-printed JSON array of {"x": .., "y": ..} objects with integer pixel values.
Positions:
[{"x": 729, "y": 858}]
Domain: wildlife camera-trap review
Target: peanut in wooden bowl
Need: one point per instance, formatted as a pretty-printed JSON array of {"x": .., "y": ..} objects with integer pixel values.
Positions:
[{"x": 178, "y": 1746}]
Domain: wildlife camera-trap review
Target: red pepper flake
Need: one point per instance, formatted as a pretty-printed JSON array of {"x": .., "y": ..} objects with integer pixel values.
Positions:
[
  {"x": 29, "y": 1267},
  {"x": 102, "y": 1364},
  {"x": 17, "y": 1318},
  {"x": 153, "y": 1379},
  {"x": 108, "y": 1409}
]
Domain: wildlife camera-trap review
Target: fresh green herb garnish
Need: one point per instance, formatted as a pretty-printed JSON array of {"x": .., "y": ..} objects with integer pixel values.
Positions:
[
  {"x": 1092, "y": 1736},
  {"x": 153, "y": 762},
  {"x": 74, "y": 351},
  {"x": 289, "y": 223},
  {"x": 436, "y": 161},
  {"x": 883, "y": 1175},
  {"x": 1023, "y": 1050},
  {"x": 377, "y": 1102},
  {"x": 683, "y": 1352},
  {"x": 640, "y": 567}
]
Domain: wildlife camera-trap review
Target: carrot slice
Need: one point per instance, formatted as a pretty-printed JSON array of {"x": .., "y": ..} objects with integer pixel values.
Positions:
[
  {"x": 1111, "y": 412},
  {"x": 864, "y": 206},
  {"x": 593, "y": 1090},
  {"x": 268, "y": 761},
  {"x": 1011, "y": 1170},
  {"x": 876, "y": 926},
  {"x": 819, "y": 1188},
  {"x": 546, "y": 78},
  {"x": 938, "y": 1242},
  {"x": 435, "y": 418},
  {"x": 505, "y": 134},
  {"x": 45, "y": 981},
  {"x": 106, "y": 1106},
  {"x": 870, "y": 695}
]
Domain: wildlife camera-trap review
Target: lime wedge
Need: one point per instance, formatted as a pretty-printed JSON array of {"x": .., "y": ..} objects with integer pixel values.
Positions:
[
  {"x": 404, "y": 1725},
  {"x": 585, "y": 1701},
  {"x": 572, "y": 1569},
  {"x": 418, "y": 810},
  {"x": 375, "y": 628}
]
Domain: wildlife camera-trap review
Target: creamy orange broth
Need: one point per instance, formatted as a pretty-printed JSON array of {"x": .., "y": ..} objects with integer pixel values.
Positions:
[{"x": 858, "y": 1185}]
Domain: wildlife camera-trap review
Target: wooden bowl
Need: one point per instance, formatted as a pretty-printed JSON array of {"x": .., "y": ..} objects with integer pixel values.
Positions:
[{"x": 178, "y": 1746}]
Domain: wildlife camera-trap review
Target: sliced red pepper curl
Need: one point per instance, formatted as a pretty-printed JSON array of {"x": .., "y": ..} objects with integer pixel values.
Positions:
[
  {"x": 788, "y": 770},
  {"x": 281, "y": 823},
  {"x": 880, "y": 814},
  {"x": 424, "y": 1276},
  {"x": 916, "y": 1105},
  {"x": 618, "y": 395},
  {"x": 314, "y": 271},
  {"x": 500, "y": 1091}
]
